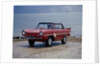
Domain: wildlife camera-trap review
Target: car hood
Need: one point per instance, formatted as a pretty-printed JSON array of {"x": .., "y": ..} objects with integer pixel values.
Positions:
[{"x": 35, "y": 30}]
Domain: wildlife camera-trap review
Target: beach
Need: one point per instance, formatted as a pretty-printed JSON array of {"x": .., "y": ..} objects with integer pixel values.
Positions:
[{"x": 71, "y": 50}]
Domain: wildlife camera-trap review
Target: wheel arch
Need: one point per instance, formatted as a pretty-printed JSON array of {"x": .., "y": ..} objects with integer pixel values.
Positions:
[{"x": 52, "y": 37}]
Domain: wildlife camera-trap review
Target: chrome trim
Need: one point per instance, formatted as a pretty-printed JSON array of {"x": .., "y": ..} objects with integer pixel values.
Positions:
[
  {"x": 32, "y": 37},
  {"x": 55, "y": 33}
]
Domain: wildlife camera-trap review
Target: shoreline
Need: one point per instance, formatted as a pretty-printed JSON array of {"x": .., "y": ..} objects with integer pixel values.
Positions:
[{"x": 70, "y": 39}]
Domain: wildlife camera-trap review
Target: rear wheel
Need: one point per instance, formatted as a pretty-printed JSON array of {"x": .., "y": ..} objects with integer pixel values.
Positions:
[
  {"x": 48, "y": 42},
  {"x": 64, "y": 40},
  {"x": 31, "y": 42}
]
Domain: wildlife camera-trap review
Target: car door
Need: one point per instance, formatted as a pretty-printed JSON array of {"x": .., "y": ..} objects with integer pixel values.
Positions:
[{"x": 57, "y": 32}]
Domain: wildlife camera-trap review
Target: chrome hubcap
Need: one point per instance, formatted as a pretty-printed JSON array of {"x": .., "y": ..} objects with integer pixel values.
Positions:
[
  {"x": 50, "y": 40},
  {"x": 64, "y": 39}
]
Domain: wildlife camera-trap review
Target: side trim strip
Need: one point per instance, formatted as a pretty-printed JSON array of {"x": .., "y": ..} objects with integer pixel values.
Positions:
[{"x": 56, "y": 34}]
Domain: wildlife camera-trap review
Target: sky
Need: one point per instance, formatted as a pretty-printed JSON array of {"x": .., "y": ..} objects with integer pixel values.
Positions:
[{"x": 48, "y": 9}]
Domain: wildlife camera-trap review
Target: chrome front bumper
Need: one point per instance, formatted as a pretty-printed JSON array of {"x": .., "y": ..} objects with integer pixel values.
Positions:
[{"x": 33, "y": 37}]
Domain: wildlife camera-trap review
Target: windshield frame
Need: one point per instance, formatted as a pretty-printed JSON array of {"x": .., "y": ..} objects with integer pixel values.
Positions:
[{"x": 47, "y": 24}]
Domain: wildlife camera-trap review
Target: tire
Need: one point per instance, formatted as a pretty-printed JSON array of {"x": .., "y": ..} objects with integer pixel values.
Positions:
[
  {"x": 48, "y": 42},
  {"x": 31, "y": 42},
  {"x": 64, "y": 40}
]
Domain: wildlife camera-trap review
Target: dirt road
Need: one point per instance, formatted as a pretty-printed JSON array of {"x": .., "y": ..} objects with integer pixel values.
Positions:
[{"x": 71, "y": 50}]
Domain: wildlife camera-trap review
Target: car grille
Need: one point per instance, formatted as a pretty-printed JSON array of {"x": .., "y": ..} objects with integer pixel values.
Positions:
[{"x": 30, "y": 37}]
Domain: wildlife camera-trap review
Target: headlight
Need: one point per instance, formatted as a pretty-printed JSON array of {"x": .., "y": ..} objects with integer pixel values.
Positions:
[
  {"x": 41, "y": 33},
  {"x": 23, "y": 33}
]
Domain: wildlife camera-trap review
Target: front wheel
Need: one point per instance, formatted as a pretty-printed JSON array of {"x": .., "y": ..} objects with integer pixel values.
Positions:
[
  {"x": 64, "y": 40},
  {"x": 48, "y": 42},
  {"x": 31, "y": 42}
]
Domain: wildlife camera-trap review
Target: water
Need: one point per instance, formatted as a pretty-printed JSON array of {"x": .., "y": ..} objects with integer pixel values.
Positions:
[{"x": 70, "y": 19}]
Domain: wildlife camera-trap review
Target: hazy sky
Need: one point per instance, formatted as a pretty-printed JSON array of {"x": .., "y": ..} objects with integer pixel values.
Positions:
[{"x": 48, "y": 9}]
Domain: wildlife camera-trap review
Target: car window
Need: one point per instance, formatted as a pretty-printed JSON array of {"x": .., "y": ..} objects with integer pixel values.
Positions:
[
  {"x": 50, "y": 26},
  {"x": 44, "y": 26},
  {"x": 58, "y": 26}
]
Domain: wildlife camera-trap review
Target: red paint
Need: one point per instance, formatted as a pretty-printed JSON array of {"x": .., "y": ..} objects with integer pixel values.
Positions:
[{"x": 57, "y": 34}]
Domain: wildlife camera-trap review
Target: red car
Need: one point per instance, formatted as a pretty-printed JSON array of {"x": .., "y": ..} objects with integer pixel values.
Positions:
[{"x": 47, "y": 32}]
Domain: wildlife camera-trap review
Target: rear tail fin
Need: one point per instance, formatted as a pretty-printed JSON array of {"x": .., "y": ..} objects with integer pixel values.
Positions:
[{"x": 68, "y": 31}]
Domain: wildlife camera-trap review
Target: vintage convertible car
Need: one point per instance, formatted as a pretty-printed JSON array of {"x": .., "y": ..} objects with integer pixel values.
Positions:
[{"x": 47, "y": 32}]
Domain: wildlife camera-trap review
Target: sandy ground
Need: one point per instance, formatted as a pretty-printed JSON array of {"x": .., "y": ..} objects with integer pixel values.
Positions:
[{"x": 71, "y": 50}]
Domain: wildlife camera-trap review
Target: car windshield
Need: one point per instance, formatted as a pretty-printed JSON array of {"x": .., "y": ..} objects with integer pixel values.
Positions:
[{"x": 44, "y": 26}]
